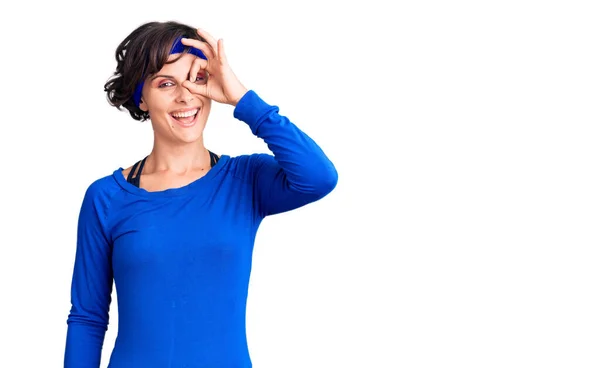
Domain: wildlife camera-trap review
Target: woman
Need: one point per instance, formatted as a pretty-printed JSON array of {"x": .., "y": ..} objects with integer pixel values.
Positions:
[{"x": 176, "y": 230}]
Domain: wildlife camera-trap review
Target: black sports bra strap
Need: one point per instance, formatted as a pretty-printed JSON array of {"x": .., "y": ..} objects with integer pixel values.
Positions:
[
  {"x": 130, "y": 175},
  {"x": 136, "y": 179},
  {"x": 141, "y": 167},
  {"x": 213, "y": 159}
]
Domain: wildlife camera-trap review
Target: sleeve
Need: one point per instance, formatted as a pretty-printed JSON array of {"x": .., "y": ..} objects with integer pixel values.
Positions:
[
  {"x": 91, "y": 285},
  {"x": 297, "y": 173}
]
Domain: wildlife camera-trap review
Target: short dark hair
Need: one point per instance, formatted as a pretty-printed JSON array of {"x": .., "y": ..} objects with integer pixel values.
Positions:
[{"x": 143, "y": 53}]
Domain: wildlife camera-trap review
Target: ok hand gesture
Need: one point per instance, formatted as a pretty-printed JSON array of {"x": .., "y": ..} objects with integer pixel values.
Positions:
[{"x": 222, "y": 85}]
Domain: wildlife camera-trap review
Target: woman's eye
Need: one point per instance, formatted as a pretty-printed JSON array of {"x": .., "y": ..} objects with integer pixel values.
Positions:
[
  {"x": 201, "y": 78},
  {"x": 165, "y": 84}
]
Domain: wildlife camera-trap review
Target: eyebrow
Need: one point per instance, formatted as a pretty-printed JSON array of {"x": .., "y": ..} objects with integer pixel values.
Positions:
[{"x": 162, "y": 76}]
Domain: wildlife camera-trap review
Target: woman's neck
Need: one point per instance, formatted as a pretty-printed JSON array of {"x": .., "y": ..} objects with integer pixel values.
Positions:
[{"x": 178, "y": 159}]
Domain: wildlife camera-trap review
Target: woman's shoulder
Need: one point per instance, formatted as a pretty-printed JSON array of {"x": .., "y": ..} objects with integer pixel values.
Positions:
[
  {"x": 98, "y": 198},
  {"x": 104, "y": 187}
]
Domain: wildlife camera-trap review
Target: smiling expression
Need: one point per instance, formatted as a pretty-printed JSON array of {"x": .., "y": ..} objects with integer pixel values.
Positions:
[{"x": 177, "y": 115}]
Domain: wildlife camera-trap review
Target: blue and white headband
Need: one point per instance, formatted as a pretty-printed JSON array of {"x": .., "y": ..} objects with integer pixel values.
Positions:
[{"x": 177, "y": 48}]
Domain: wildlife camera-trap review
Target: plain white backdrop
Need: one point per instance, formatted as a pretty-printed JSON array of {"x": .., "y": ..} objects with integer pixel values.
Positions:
[{"x": 464, "y": 231}]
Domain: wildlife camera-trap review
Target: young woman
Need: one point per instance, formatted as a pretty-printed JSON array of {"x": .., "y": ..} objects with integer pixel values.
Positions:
[{"x": 176, "y": 230}]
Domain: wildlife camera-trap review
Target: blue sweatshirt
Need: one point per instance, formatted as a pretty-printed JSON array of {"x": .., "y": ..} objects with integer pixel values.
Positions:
[{"x": 181, "y": 258}]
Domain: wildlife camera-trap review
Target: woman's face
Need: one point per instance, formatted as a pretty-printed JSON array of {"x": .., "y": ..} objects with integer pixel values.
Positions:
[{"x": 177, "y": 115}]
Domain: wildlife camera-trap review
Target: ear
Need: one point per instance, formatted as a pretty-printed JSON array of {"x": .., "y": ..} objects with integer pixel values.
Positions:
[{"x": 143, "y": 105}]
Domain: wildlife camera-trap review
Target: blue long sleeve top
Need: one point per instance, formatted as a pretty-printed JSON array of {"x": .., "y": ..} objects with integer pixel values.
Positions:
[{"x": 181, "y": 258}]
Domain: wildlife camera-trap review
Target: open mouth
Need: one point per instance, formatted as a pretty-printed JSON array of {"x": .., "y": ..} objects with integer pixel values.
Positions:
[{"x": 185, "y": 118}]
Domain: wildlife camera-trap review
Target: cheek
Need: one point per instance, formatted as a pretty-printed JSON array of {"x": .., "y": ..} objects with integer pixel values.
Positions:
[
  {"x": 158, "y": 109},
  {"x": 206, "y": 103},
  {"x": 206, "y": 109},
  {"x": 158, "y": 100}
]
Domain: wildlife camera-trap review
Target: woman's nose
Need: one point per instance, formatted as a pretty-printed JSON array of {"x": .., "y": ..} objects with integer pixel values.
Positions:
[{"x": 185, "y": 95}]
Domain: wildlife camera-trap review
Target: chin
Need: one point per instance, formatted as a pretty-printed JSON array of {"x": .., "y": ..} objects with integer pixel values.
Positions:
[{"x": 189, "y": 138}]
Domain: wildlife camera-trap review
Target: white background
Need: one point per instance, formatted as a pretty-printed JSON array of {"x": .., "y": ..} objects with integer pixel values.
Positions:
[{"x": 464, "y": 228}]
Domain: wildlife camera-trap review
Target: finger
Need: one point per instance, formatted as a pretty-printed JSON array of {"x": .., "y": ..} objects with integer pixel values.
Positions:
[
  {"x": 197, "y": 65},
  {"x": 198, "y": 89},
  {"x": 209, "y": 39},
  {"x": 221, "y": 51},
  {"x": 202, "y": 46}
]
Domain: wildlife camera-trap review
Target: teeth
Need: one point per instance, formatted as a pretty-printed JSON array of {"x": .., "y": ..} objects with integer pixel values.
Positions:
[{"x": 184, "y": 114}]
